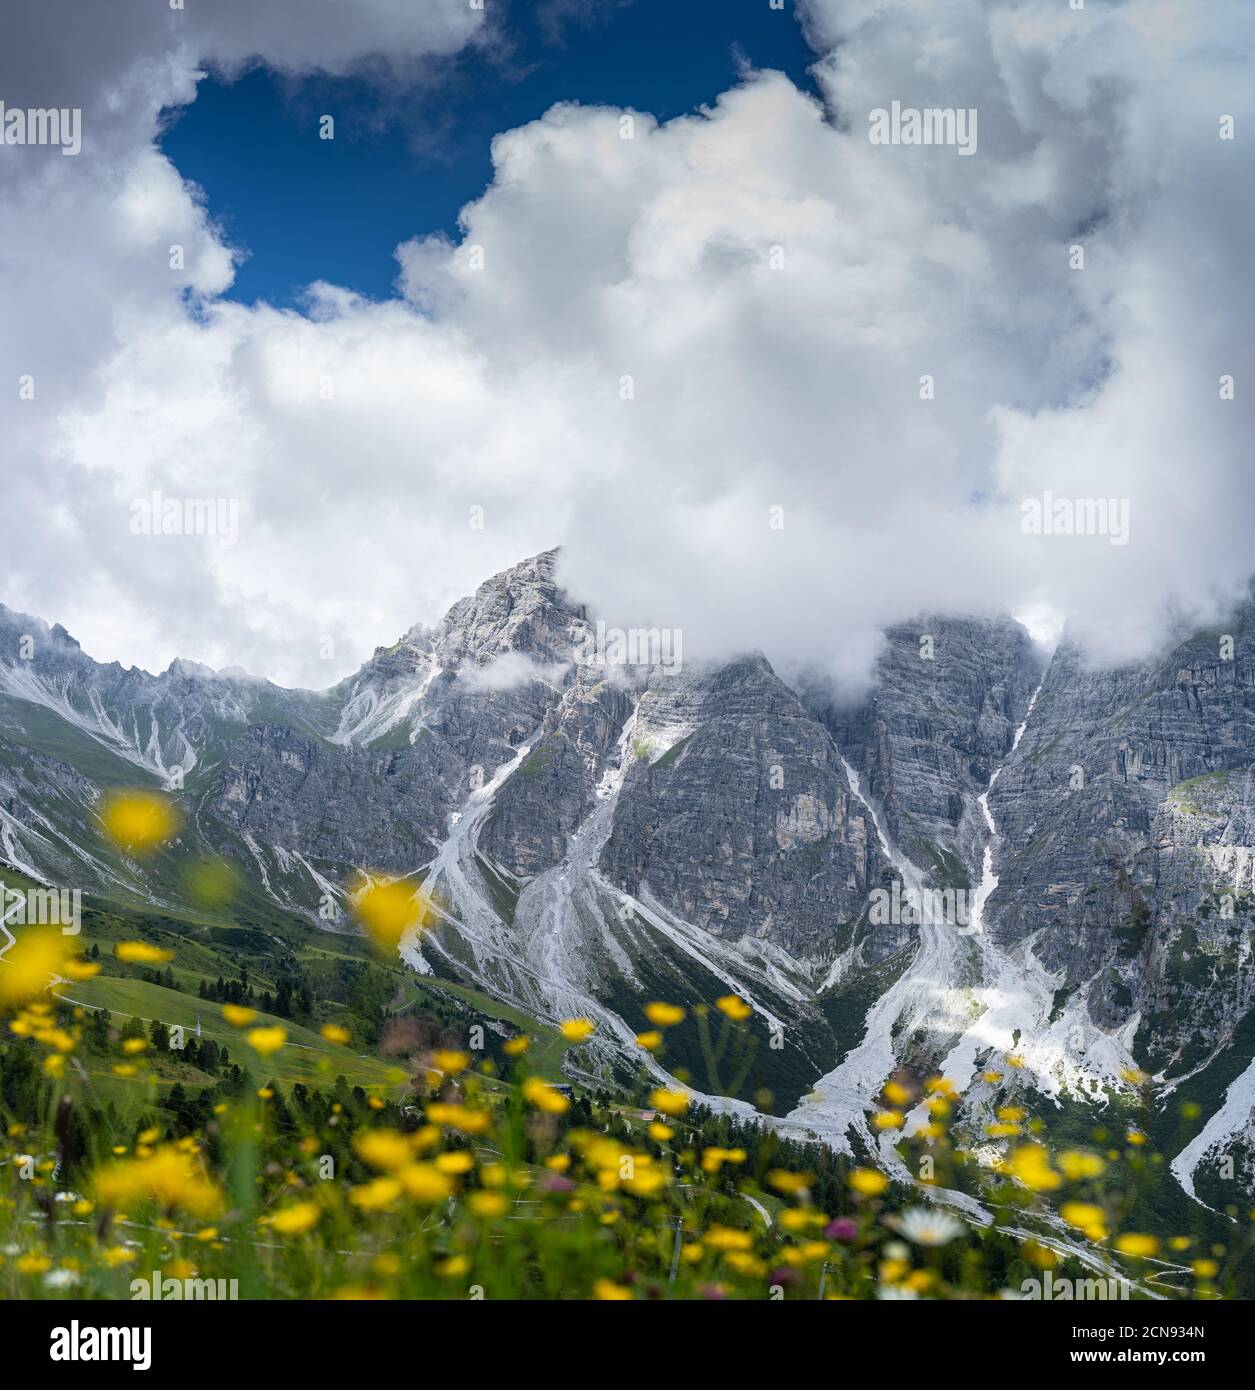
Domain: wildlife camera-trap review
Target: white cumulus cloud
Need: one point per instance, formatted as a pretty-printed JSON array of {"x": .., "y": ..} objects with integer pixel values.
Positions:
[{"x": 698, "y": 358}]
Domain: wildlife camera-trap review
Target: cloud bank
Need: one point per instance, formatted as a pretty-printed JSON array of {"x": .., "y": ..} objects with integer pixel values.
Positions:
[{"x": 764, "y": 380}]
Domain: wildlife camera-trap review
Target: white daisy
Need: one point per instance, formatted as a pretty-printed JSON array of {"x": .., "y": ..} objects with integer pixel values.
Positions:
[{"x": 929, "y": 1226}]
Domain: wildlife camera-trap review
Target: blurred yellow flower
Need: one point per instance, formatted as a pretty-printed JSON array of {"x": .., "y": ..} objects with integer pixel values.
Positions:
[
  {"x": 80, "y": 969},
  {"x": 488, "y": 1204},
  {"x": 295, "y": 1220},
  {"x": 867, "y": 1181},
  {"x": 1087, "y": 1217},
  {"x": 664, "y": 1015},
  {"x": 1135, "y": 1243},
  {"x": 425, "y": 1183},
  {"x": 168, "y": 1176},
  {"x": 29, "y": 966},
  {"x": 888, "y": 1119},
  {"x": 734, "y": 1007},
  {"x": 459, "y": 1161},
  {"x": 56, "y": 1038},
  {"x": 383, "y": 1148},
  {"x": 1030, "y": 1165},
  {"x": 724, "y": 1238},
  {"x": 516, "y": 1046},
  {"x": 377, "y": 1195},
  {"x": 577, "y": 1030},
  {"x": 544, "y": 1097},
  {"x": 237, "y": 1015},
  {"x": 141, "y": 953},
  {"x": 650, "y": 1041},
  {"x": 266, "y": 1040},
  {"x": 673, "y": 1103},
  {"x": 1078, "y": 1164},
  {"x": 335, "y": 1034},
  {"x": 450, "y": 1062},
  {"x": 139, "y": 821},
  {"x": 389, "y": 909},
  {"x": 460, "y": 1117},
  {"x": 608, "y": 1292},
  {"x": 789, "y": 1183},
  {"x": 1040, "y": 1255}
]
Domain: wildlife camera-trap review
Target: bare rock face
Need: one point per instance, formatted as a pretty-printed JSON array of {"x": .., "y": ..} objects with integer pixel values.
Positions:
[
  {"x": 948, "y": 698},
  {"x": 737, "y": 814},
  {"x": 540, "y": 807},
  {"x": 1126, "y": 821}
]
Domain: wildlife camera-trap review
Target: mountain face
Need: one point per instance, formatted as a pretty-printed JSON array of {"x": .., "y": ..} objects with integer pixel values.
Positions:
[{"x": 600, "y": 835}]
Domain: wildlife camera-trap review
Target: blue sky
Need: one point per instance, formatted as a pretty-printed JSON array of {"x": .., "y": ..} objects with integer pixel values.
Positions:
[{"x": 407, "y": 157}]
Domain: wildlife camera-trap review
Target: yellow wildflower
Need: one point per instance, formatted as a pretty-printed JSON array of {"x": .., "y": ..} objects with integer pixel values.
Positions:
[
  {"x": 544, "y": 1097},
  {"x": 168, "y": 1176},
  {"x": 450, "y": 1062},
  {"x": 29, "y": 966},
  {"x": 141, "y": 953},
  {"x": 673, "y": 1103},
  {"x": 488, "y": 1204},
  {"x": 460, "y": 1117},
  {"x": 608, "y": 1292},
  {"x": 459, "y": 1161},
  {"x": 1030, "y": 1165},
  {"x": 377, "y": 1195},
  {"x": 294, "y": 1220},
  {"x": 390, "y": 909},
  {"x": 266, "y": 1040},
  {"x": 425, "y": 1183},
  {"x": 383, "y": 1148},
  {"x": 1078, "y": 1164},
  {"x": 1087, "y": 1217},
  {"x": 139, "y": 821}
]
